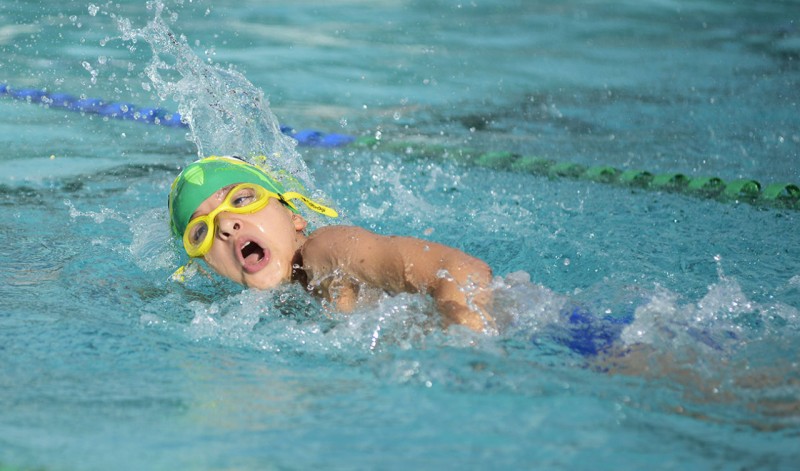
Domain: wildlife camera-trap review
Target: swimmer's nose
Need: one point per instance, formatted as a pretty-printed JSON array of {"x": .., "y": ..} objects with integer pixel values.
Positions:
[{"x": 226, "y": 226}]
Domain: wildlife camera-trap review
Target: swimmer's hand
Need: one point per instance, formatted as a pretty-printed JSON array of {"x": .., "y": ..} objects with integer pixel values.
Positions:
[{"x": 350, "y": 255}]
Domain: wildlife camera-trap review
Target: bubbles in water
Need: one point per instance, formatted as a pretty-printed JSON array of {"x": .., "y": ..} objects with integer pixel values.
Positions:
[{"x": 92, "y": 72}]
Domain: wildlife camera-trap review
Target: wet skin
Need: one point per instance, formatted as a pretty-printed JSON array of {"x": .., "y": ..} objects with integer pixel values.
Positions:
[{"x": 269, "y": 247}]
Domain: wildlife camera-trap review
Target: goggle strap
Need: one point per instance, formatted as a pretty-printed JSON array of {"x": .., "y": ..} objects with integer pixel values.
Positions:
[
  {"x": 187, "y": 271},
  {"x": 179, "y": 275},
  {"x": 286, "y": 202},
  {"x": 313, "y": 205}
]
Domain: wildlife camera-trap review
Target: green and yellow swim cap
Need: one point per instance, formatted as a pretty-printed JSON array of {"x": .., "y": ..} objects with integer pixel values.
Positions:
[{"x": 203, "y": 178}]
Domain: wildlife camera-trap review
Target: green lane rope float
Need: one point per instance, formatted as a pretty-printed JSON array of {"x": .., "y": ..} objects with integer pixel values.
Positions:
[{"x": 775, "y": 195}]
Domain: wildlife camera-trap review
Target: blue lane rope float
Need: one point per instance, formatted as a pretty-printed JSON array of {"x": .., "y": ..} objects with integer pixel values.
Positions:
[
  {"x": 159, "y": 116},
  {"x": 96, "y": 106},
  {"x": 780, "y": 195},
  {"x": 313, "y": 138}
]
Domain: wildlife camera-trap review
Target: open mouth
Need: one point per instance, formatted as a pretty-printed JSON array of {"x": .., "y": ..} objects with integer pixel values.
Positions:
[{"x": 252, "y": 253}]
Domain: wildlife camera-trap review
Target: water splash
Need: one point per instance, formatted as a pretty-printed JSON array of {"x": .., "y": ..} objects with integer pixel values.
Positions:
[
  {"x": 152, "y": 247},
  {"x": 98, "y": 217},
  {"x": 225, "y": 113},
  {"x": 721, "y": 323}
]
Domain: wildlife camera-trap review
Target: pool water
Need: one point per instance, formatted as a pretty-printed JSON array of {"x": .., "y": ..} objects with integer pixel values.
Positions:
[{"x": 638, "y": 328}]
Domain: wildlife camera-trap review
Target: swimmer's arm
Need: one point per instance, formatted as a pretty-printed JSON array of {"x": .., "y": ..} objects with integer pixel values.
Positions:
[
  {"x": 457, "y": 282},
  {"x": 461, "y": 289}
]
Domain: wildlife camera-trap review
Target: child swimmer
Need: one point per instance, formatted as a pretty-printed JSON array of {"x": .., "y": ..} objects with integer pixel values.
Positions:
[{"x": 222, "y": 209}]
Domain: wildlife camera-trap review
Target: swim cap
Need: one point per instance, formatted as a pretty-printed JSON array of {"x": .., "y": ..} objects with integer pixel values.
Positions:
[{"x": 203, "y": 178}]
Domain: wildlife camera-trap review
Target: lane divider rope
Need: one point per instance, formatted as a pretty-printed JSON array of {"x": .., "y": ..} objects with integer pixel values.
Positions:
[
  {"x": 776, "y": 195},
  {"x": 158, "y": 116},
  {"x": 780, "y": 195}
]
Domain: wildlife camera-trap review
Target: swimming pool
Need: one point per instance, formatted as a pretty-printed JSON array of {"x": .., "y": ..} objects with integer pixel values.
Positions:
[{"x": 107, "y": 364}]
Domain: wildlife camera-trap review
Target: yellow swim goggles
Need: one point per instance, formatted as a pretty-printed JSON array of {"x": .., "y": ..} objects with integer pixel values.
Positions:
[{"x": 245, "y": 198}]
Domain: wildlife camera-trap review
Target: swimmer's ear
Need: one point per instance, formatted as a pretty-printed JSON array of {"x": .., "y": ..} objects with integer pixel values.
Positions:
[{"x": 299, "y": 222}]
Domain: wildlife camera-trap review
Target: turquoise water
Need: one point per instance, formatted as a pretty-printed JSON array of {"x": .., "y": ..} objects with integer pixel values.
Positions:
[{"x": 107, "y": 364}]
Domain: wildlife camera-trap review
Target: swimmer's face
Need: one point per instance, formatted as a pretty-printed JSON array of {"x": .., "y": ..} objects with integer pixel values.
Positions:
[{"x": 255, "y": 249}]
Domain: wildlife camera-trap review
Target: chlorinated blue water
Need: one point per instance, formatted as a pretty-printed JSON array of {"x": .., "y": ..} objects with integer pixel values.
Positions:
[{"x": 108, "y": 364}]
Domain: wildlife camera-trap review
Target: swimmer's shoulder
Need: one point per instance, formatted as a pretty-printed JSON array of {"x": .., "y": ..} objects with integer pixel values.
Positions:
[
  {"x": 338, "y": 235},
  {"x": 329, "y": 243},
  {"x": 344, "y": 246}
]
